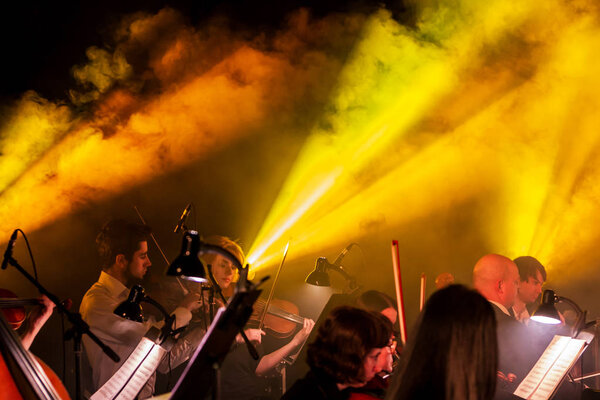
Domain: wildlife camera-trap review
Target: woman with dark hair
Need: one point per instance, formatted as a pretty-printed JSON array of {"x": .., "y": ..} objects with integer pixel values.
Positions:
[
  {"x": 453, "y": 354},
  {"x": 373, "y": 300},
  {"x": 343, "y": 355}
]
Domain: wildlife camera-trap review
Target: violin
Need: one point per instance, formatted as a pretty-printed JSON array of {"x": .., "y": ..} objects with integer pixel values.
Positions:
[{"x": 280, "y": 319}]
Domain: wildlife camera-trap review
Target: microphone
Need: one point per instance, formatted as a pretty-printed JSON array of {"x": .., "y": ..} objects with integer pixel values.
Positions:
[
  {"x": 182, "y": 219},
  {"x": 338, "y": 260},
  {"x": 9, "y": 249}
]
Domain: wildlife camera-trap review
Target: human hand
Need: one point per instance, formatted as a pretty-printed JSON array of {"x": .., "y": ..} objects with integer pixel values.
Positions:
[
  {"x": 303, "y": 333},
  {"x": 510, "y": 377},
  {"x": 191, "y": 301},
  {"x": 40, "y": 314}
]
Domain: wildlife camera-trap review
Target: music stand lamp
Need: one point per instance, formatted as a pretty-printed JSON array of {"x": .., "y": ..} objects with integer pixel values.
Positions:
[{"x": 320, "y": 275}]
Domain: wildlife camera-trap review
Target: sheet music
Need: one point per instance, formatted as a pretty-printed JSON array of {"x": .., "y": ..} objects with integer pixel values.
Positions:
[
  {"x": 126, "y": 383},
  {"x": 558, "y": 358}
]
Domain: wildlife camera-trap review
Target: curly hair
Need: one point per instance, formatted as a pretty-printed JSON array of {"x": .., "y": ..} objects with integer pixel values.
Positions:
[
  {"x": 343, "y": 341},
  {"x": 120, "y": 237}
]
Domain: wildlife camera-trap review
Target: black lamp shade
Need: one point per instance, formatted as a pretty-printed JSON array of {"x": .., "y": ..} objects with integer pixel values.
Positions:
[
  {"x": 131, "y": 308},
  {"x": 319, "y": 276},
  {"x": 187, "y": 265},
  {"x": 546, "y": 313}
]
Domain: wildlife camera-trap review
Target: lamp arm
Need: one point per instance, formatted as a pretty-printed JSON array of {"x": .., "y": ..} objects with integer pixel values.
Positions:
[
  {"x": 570, "y": 302},
  {"x": 345, "y": 274},
  {"x": 581, "y": 315}
]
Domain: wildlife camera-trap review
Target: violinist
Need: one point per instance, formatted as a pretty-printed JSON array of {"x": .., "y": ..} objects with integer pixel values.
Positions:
[
  {"x": 383, "y": 304},
  {"x": 123, "y": 247},
  {"x": 344, "y": 354},
  {"x": 239, "y": 372}
]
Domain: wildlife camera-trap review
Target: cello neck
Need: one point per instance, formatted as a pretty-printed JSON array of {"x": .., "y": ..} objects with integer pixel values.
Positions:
[{"x": 10, "y": 303}]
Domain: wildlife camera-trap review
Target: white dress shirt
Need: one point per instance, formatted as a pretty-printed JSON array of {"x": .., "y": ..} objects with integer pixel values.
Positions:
[{"x": 122, "y": 335}]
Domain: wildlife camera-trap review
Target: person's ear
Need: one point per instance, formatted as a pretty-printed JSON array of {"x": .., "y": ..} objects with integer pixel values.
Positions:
[{"x": 121, "y": 261}]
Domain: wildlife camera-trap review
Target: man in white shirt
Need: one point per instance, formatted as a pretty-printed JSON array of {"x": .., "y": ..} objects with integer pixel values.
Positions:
[
  {"x": 123, "y": 248},
  {"x": 532, "y": 276}
]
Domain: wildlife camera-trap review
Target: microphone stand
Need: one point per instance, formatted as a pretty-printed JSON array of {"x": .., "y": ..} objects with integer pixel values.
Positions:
[
  {"x": 79, "y": 328},
  {"x": 217, "y": 288}
]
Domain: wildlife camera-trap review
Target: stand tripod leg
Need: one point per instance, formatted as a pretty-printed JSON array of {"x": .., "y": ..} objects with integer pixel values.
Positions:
[
  {"x": 216, "y": 395},
  {"x": 77, "y": 351},
  {"x": 283, "y": 380}
]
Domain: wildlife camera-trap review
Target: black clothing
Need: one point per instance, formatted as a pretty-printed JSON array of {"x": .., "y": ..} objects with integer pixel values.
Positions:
[
  {"x": 316, "y": 385},
  {"x": 516, "y": 353},
  {"x": 238, "y": 377}
]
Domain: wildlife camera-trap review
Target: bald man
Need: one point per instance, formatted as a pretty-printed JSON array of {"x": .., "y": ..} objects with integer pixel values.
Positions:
[{"x": 497, "y": 279}]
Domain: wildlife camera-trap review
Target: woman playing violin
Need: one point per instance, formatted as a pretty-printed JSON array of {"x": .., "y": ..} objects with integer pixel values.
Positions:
[{"x": 239, "y": 372}]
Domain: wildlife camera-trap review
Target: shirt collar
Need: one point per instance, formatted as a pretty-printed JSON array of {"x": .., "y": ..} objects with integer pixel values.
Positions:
[
  {"x": 501, "y": 307},
  {"x": 114, "y": 286}
]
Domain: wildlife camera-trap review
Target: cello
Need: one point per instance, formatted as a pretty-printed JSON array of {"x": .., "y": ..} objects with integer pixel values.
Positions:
[{"x": 21, "y": 375}]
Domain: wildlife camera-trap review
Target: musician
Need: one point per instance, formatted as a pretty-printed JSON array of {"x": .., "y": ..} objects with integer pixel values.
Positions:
[
  {"x": 532, "y": 275},
  {"x": 452, "y": 353},
  {"x": 344, "y": 354},
  {"x": 497, "y": 279},
  {"x": 123, "y": 248},
  {"x": 373, "y": 300},
  {"x": 239, "y": 372}
]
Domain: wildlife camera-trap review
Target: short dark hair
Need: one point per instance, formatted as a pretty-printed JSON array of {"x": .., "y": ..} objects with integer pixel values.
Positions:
[
  {"x": 120, "y": 237},
  {"x": 373, "y": 300},
  {"x": 453, "y": 352},
  {"x": 343, "y": 341},
  {"x": 528, "y": 266}
]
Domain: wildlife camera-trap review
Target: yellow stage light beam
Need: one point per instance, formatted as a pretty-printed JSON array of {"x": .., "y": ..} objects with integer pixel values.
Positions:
[
  {"x": 210, "y": 89},
  {"x": 391, "y": 82}
]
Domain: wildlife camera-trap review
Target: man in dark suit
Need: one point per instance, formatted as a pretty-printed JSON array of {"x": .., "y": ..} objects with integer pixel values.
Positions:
[{"x": 497, "y": 279}]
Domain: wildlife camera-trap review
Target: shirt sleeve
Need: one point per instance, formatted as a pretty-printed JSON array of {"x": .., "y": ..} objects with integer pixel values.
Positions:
[{"x": 98, "y": 311}]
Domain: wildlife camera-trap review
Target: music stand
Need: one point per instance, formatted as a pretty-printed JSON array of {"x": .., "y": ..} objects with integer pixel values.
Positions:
[{"x": 202, "y": 372}]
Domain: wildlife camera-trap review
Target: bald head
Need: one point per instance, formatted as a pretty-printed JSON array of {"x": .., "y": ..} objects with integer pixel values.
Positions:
[{"x": 497, "y": 279}]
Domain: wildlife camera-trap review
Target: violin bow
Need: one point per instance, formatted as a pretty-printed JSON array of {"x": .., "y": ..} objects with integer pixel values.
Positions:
[
  {"x": 422, "y": 292},
  {"x": 399, "y": 297},
  {"x": 262, "y": 318},
  {"x": 185, "y": 291}
]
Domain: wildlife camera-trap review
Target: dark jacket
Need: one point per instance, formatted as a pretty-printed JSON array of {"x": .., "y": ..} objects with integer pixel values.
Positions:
[{"x": 316, "y": 385}]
